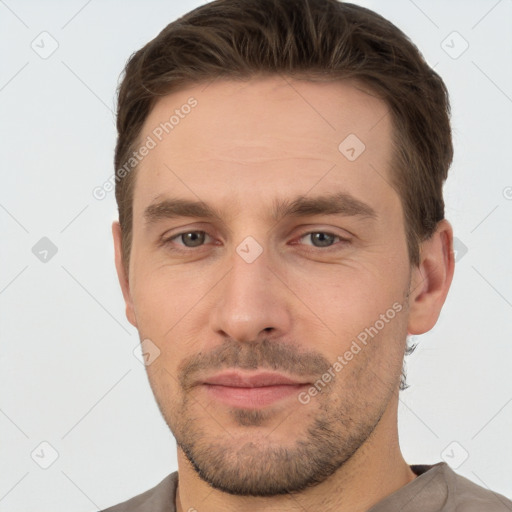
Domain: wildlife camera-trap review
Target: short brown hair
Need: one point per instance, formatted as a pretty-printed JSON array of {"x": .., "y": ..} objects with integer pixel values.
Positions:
[{"x": 324, "y": 39}]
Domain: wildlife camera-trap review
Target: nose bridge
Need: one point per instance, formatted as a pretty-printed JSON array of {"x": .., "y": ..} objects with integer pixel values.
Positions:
[{"x": 250, "y": 298}]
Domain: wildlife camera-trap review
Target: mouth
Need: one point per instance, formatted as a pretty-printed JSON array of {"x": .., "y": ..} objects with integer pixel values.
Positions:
[{"x": 253, "y": 390}]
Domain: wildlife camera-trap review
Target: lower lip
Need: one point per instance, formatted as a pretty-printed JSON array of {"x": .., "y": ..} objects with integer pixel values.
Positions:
[{"x": 252, "y": 397}]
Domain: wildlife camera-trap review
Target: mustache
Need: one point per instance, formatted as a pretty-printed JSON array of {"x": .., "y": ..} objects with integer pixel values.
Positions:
[{"x": 263, "y": 354}]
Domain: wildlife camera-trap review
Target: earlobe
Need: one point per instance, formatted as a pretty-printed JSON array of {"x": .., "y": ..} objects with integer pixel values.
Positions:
[
  {"x": 431, "y": 279},
  {"x": 122, "y": 273}
]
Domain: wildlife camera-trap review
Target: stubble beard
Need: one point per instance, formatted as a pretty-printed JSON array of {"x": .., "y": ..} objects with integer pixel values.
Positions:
[{"x": 263, "y": 467}]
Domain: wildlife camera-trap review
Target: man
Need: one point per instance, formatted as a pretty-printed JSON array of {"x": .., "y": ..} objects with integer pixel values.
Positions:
[{"x": 303, "y": 145}]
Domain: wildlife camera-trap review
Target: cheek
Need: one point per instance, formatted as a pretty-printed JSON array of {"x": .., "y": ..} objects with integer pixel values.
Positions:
[
  {"x": 348, "y": 297},
  {"x": 172, "y": 307},
  {"x": 155, "y": 305},
  {"x": 161, "y": 297}
]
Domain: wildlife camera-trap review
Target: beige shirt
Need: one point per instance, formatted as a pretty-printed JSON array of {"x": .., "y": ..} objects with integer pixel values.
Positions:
[{"x": 436, "y": 489}]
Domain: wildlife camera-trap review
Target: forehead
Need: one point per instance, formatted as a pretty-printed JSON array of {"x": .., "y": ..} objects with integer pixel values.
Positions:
[{"x": 240, "y": 141}]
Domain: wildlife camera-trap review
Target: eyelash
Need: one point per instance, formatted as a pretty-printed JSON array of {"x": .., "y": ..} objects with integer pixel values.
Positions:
[{"x": 168, "y": 242}]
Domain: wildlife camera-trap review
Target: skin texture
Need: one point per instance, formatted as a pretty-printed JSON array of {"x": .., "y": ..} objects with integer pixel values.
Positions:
[{"x": 320, "y": 281}]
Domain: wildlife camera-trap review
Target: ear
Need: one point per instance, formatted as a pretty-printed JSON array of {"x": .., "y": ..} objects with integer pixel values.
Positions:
[
  {"x": 122, "y": 273},
  {"x": 431, "y": 279}
]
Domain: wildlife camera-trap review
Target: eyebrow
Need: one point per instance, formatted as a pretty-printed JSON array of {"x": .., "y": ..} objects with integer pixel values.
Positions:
[{"x": 340, "y": 203}]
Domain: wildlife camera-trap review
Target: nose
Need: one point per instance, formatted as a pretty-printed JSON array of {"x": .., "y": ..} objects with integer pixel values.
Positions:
[{"x": 251, "y": 302}]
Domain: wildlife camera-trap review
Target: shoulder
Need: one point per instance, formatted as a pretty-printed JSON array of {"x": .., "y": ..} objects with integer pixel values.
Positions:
[
  {"x": 160, "y": 498},
  {"x": 467, "y": 496}
]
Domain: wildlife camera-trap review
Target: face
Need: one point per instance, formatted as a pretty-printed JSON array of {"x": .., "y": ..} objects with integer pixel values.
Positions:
[{"x": 280, "y": 308}]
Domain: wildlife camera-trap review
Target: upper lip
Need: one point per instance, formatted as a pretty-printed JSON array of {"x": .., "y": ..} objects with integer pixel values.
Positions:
[{"x": 254, "y": 380}]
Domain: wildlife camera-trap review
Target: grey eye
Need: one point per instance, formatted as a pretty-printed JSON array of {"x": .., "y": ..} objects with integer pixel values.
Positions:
[
  {"x": 321, "y": 238},
  {"x": 193, "y": 238}
]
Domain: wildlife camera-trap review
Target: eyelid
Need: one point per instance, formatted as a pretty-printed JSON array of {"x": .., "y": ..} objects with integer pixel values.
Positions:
[
  {"x": 181, "y": 230},
  {"x": 336, "y": 245},
  {"x": 306, "y": 233},
  {"x": 168, "y": 239}
]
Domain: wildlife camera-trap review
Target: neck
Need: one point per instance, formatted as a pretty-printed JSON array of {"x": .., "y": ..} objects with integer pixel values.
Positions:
[{"x": 376, "y": 470}]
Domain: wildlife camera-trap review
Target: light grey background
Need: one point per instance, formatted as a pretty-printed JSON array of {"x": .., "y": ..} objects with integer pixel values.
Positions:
[{"x": 68, "y": 373}]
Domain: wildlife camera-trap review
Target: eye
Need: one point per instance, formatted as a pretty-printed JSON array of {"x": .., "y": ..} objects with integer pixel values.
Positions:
[
  {"x": 189, "y": 239},
  {"x": 322, "y": 239}
]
